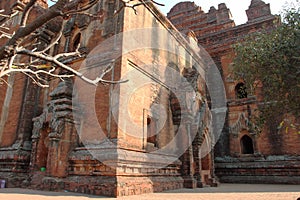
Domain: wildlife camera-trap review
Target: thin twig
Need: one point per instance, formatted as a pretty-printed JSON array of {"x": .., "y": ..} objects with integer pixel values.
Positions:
[
  {"x": 84, "y": 8},
  {"x": 55, "y": 60},
  {"x": 133, "y": 6},
  {"x": 54, "y": 42},
  {"x": 32, "y": 69},
  {"x": 26, "y": 12}
]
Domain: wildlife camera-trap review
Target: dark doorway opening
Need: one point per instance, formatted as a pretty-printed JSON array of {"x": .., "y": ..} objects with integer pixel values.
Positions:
[{"x": 247, "y": 145}]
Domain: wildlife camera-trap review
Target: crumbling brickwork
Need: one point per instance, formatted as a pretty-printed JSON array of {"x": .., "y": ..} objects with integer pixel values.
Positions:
[
  {"x": 118, "y": 139},
  {"x": 241, "y": 155},
  {"x": 140, "y": 136}
]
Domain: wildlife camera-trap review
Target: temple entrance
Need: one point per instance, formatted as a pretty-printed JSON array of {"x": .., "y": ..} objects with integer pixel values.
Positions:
[{"x": 247, "y": 145}]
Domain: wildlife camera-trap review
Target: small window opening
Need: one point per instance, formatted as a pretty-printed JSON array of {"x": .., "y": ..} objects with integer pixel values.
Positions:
[
  {"x": 151, "y": 135},
  {"x": 76, "y": 41},
  {"x": 240, "y": 91}
]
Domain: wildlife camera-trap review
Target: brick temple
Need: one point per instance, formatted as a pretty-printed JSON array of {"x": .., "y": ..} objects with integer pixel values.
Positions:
[{"x": 155, "y": 131}]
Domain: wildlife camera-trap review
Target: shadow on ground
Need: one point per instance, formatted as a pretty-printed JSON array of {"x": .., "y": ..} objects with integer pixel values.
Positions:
[{"x": 242, "y": 188}]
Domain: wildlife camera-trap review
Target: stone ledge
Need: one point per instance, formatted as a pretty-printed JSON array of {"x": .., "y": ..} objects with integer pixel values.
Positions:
[
  {"x": 270, "y": 169},
  {"x": 261, "y": 179}
]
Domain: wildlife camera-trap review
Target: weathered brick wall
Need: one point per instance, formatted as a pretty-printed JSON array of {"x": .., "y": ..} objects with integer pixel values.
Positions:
[
  {"x": 125, "y": 168},
  {"x": 218, "y": 38},
  {"x": 259, "y": 169},
  {"x": 62, "y": 151},
  {"x": 188, "y": 16},
  {"x": 11, "y": 110},
  {"x": 19, "y": 102}
]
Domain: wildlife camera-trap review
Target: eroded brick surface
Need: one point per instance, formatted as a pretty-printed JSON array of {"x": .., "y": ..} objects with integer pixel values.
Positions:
[{"x": 50, "y": 142}]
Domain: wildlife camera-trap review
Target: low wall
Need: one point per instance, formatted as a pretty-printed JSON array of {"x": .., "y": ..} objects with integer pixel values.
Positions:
[{"x": 259, "y": 169}]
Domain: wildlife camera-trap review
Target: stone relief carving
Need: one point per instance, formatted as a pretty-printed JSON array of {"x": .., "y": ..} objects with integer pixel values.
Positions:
[
  {"x": 241, "y": 123},
  {"x": 57, "y": 112}
]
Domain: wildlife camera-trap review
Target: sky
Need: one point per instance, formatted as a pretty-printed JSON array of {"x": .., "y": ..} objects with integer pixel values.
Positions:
[{"x": 237, "y": 7}]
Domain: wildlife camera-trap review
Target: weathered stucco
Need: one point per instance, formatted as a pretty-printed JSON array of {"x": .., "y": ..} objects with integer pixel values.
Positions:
[{"x": 50, "y": 138}]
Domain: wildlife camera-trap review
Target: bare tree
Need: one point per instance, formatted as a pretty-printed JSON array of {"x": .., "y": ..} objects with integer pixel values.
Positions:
[{"x": 15, "y": 45}]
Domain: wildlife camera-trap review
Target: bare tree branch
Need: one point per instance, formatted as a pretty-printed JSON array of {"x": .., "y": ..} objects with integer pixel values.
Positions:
[
  {"x": 127, "y": 3},
  {"x": 34, "y": 67},
  {"x": 82, "y": 9},
  {"x": 26, "y": 12},
  {"x": 56, "y": 61},
  {"x": 4, "y": 33}
]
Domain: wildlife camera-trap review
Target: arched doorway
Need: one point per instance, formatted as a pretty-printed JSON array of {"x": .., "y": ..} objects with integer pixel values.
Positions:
[{"x": 247, "y": 145}]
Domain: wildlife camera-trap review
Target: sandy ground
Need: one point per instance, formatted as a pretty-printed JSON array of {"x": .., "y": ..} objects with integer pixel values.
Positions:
[{"x": 223, "y": 192}]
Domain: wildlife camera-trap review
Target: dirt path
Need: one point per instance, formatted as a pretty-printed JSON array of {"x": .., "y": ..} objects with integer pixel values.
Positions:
[{"x": 223, "y": 192}]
